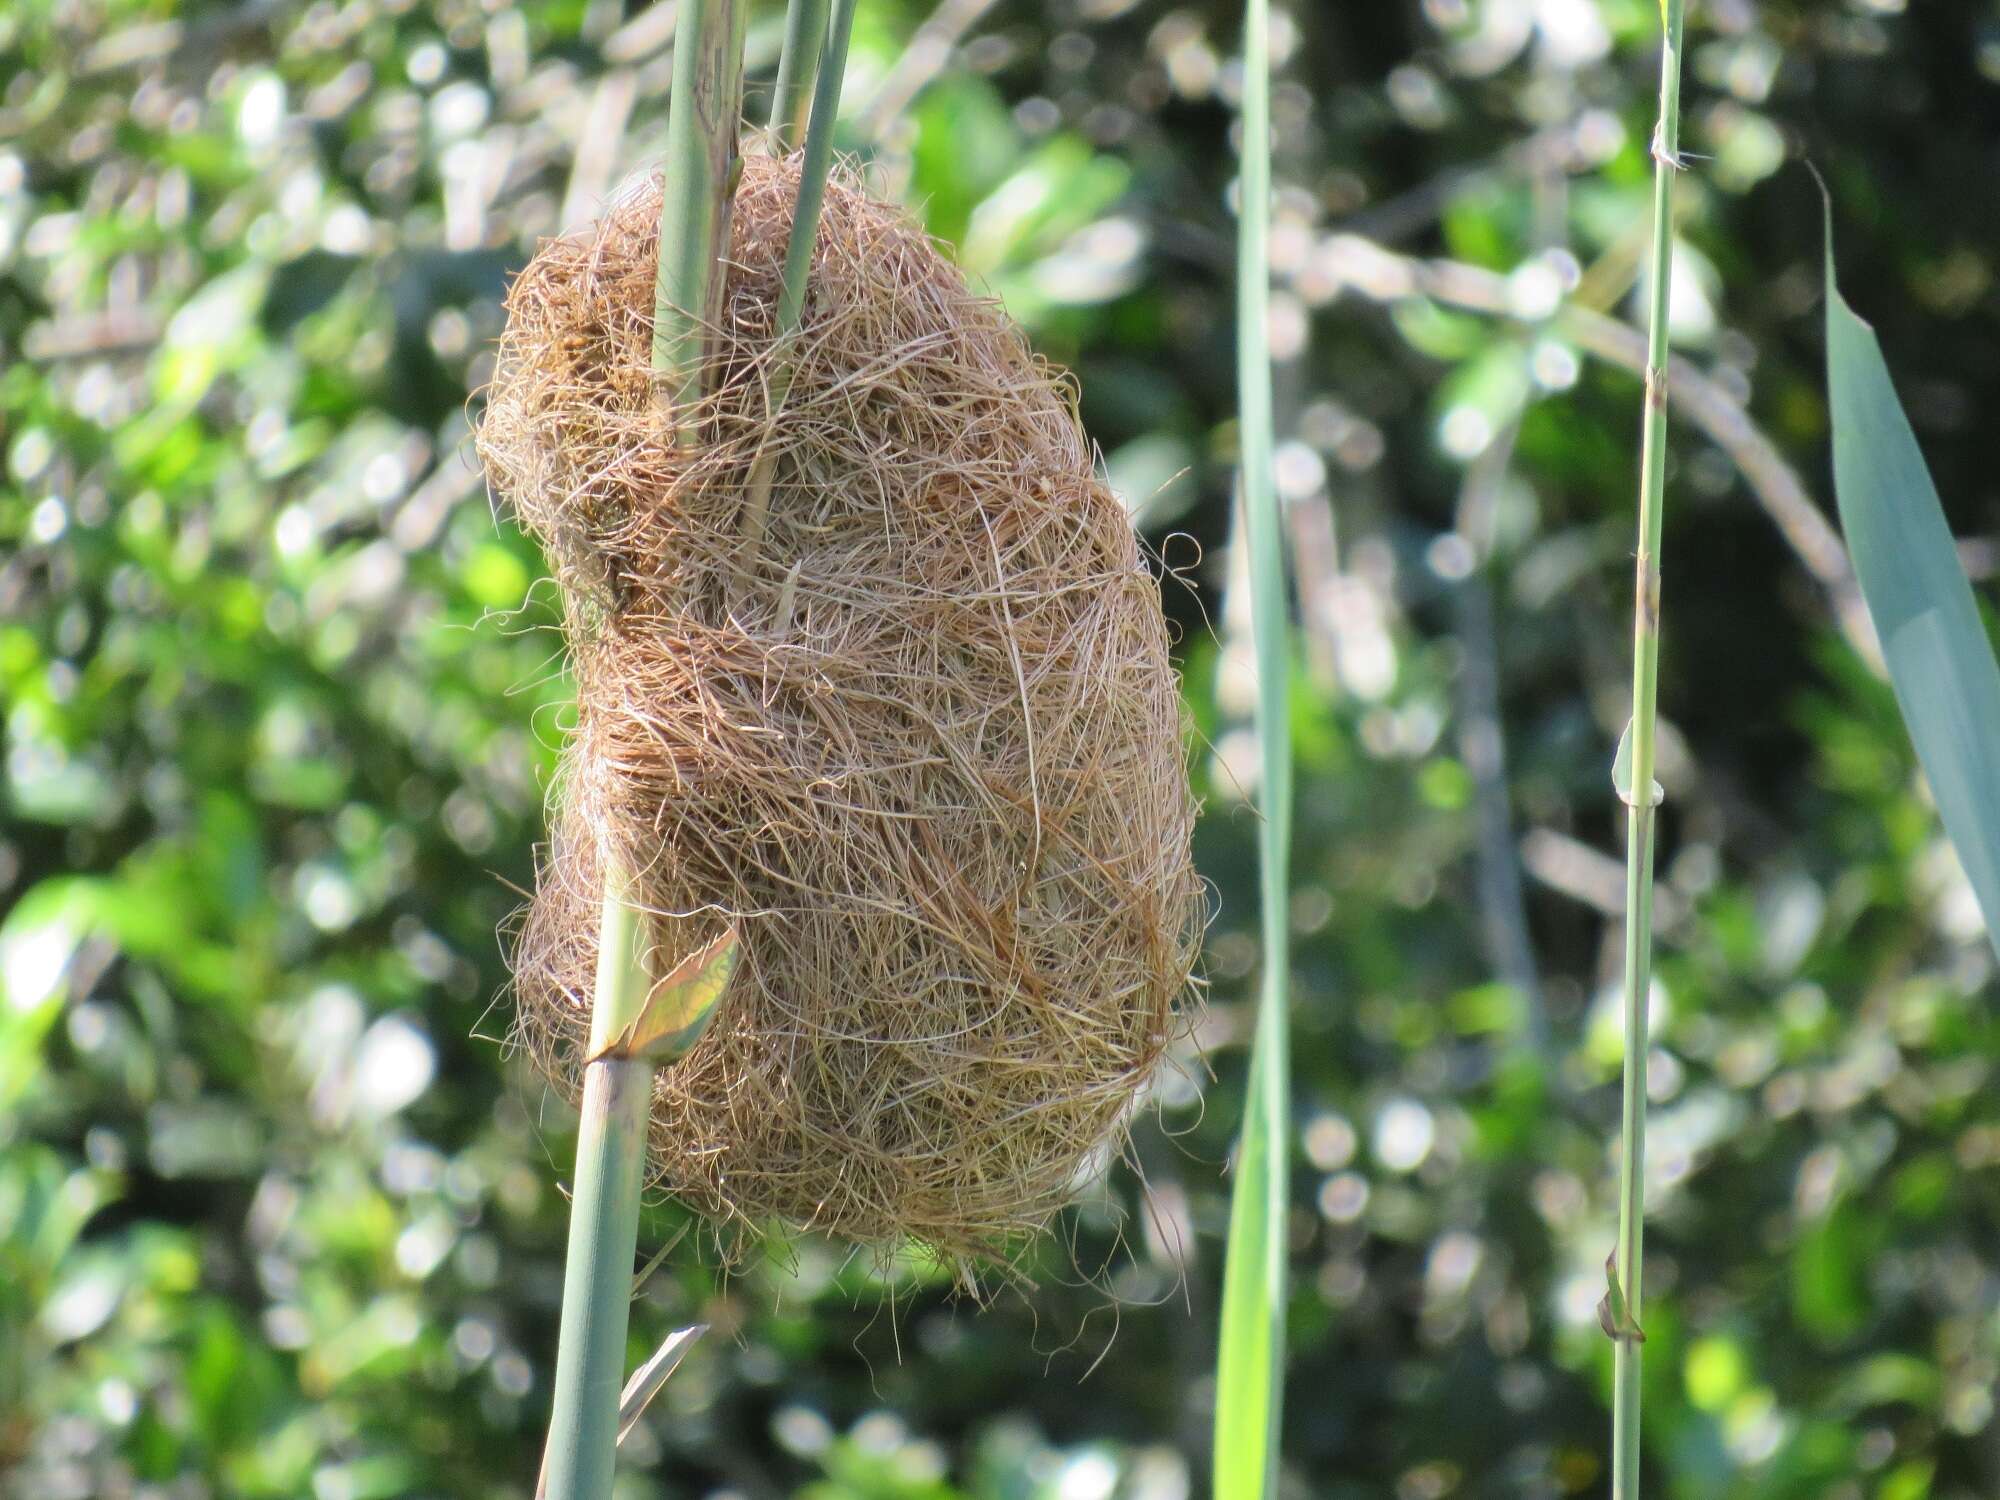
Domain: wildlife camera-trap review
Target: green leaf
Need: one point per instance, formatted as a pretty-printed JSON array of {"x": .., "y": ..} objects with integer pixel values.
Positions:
[
  {"x": 1062, "y": 186},
  {"x": 1885, "y": 1380},
  {"x": 1910, "y": 1481},
  {"x": 1939, "y": 657},
  {"x": 678, "y": 1010},
  {"x": 1250, "y": 1364}
]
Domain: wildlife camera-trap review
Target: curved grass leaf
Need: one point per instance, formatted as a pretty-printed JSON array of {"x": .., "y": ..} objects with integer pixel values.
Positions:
[{"x": 1939, "y": 657}]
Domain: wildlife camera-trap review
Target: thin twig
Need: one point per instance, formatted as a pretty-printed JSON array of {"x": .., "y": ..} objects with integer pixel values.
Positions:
[
  {"x": 1385, "y": 275},
  {"x": 1482, "y": 744},
  {"x": 929, "y": 50},
  {"x": 597, "y": 148}
]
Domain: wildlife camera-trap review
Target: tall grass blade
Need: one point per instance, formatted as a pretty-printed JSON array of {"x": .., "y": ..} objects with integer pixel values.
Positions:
[
  {"x": 1250, "y": 1368},
  {"x": 1939, "y": 656}
]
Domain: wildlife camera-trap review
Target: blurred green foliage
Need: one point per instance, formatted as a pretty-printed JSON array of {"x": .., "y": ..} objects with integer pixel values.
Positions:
[{"x": 280, "y": 1216}]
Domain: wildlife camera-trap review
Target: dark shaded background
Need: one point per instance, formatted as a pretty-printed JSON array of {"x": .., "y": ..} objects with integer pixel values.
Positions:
[{"x": 280, "y": 1217}]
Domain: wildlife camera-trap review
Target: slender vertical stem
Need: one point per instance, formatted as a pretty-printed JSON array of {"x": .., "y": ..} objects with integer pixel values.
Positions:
[
  {"x": 604, "y": 1219},
  {"x": 703, "y": 119},
  {"x": 1638, "y": 789},
  {"x": 805, "y": 31},
  {"x": 813, "y": 169},
  {"x": 1250, "y": 1374},
  {"x": 702, "y": 166},
  {"x": 1263, "y": 530}
]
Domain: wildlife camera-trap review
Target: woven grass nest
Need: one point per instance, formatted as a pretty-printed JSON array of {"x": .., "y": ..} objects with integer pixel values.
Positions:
[{"x": 914, "y": 729}]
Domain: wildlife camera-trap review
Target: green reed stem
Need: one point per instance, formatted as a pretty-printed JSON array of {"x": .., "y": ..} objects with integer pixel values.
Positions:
[
  {"x": 702, "y": 166},
  {"x": 814, "y": 167},
  {"x": 703, "y": 119},
  {"x": 604, "y": 1218},
  {"x": 805, "y": 32},
  {"x": 1250, "y": 1368},
  {"x": 1638, "y": 781}
]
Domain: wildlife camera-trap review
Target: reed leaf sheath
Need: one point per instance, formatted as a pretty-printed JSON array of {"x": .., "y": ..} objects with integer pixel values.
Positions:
[{"x": 818, "y": 161}]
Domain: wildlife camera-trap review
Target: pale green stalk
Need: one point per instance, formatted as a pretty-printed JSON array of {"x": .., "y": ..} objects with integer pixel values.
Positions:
[
  {"x": 1250, "y": 1367},
  {"x": 1637, "y": 788},
  {"x": 702, "y": 166},
  {"x": 805, "y": 32},
  {"x": 813, "y": 169},
  {"x": 604, "y": 1219},
  {"x": 703, "y": 118}
]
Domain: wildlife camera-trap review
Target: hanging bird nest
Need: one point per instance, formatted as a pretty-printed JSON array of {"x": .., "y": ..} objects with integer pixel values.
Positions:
[{"x": 912, "y": 727}]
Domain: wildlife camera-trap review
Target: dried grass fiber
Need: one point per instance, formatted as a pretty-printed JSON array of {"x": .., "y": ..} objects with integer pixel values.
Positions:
[{"x": 915, "y": 729}]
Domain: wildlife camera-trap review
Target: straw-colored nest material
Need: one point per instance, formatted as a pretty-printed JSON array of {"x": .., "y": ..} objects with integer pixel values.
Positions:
[{"x": 915, "y": 729}]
